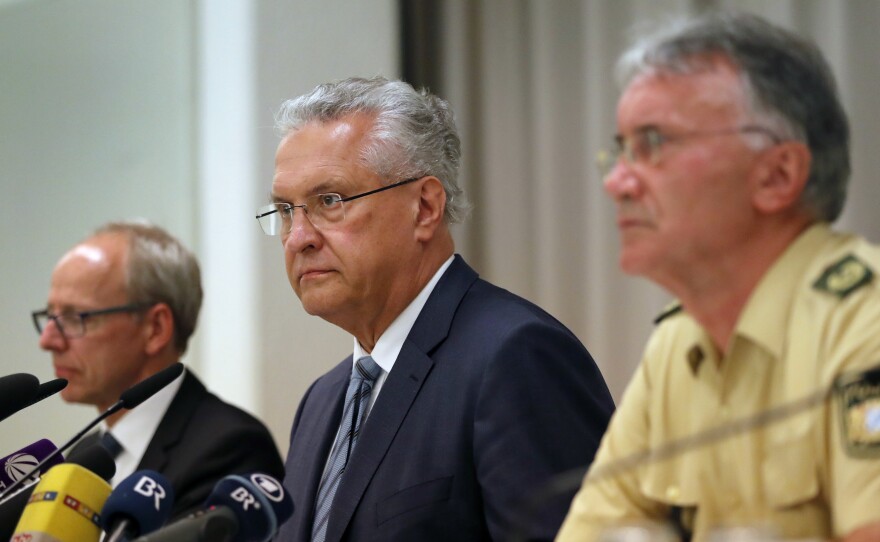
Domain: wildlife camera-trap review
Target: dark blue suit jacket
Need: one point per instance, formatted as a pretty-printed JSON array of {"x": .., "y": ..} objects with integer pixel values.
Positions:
[{"x": 489, "y": 398}]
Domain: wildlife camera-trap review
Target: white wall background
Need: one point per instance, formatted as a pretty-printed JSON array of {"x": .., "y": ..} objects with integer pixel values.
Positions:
[{"x": 114, "y": 109}]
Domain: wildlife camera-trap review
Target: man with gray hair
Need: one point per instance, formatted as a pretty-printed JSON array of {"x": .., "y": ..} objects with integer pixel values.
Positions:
[
  {"x": 122, "y": 306},
  {"x": 731, "y": 161},
  {"x": 460, "y": 398}
]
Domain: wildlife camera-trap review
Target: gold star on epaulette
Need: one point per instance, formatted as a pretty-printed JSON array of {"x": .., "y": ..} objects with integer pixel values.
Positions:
[{"x": 844, "y": 277}]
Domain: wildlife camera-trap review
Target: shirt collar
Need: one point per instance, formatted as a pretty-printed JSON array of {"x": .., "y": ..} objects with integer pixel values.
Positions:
[
  {"x": 771, "y": 301},
  {"x": 391, "y": 341},
  {"x": 135, "y": 429}
]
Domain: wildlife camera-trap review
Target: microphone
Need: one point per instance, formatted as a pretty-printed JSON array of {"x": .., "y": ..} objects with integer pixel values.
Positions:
[
  {"x": 16, "y": 392},
  {"x": 574, "y": 478},
  {"x": 64, "y": 506},
  {"x": 95, "y": 459},
  {"x": 48, "y": 389},
  {"x": 140, "y": 504},
  {"x": 129, "y": 399},
  {"x": 239, "y": 509},
  {"x": 20, "y": 464}
]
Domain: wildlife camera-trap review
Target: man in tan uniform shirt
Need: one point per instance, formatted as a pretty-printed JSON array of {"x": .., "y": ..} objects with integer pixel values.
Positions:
[{"x": 732, "y": 161}]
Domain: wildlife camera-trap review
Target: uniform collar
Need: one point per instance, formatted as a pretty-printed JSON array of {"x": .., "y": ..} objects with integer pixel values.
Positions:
[{"x": 771, "y": 301}]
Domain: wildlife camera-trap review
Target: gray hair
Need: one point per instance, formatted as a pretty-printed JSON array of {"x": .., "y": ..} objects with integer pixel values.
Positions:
[
  {"x": 161, "y": 270},
  {"x": 785, "y": 78},
  {"x": 413, "y": 134}
]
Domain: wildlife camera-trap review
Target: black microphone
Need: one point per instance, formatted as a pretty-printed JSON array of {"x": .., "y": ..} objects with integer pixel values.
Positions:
[
  {"x": 129, "y": 399},
  {"x": 139, "y": 505},
  {"x": 95, "y": 459},
  {"x": 239, "y": 509},
  {"x": 43, "y": 391},
  {"x": 574, "y": 478},
  {"x": 16, "y": 392},
  {"x": 48, "y": 389},
  {"x": 146, "y": 388}
]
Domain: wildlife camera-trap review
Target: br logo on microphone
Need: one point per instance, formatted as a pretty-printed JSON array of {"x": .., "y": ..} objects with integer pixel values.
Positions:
[
  {"x": 269, "y": 486},
  {"x": 18, "y": 465},
  {"x": 243, "y": 496},
  {"x": 148, "y": 487}
]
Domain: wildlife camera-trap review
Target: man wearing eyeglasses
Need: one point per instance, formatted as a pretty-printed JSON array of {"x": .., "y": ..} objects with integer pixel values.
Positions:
[
  {"x": 460, "y": 399},
  {"x": 122, "y": 306},
  {"x": 732, "y": 160}
]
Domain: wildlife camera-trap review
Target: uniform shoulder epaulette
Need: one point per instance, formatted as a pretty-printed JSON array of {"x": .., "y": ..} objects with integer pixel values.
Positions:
[
  {"x": 672, "y": 308},
  {"x": 844, "y": 276}
]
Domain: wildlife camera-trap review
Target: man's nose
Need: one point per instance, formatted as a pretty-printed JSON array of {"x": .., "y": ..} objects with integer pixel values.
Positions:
[
  {"x": 303, "y": 234},
  {"x": 622, "y": 182},
  {"x": 51, "y": 338}
]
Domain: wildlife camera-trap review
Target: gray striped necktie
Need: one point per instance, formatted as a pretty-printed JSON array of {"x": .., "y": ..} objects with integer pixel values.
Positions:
[{"x": 357, "y": 397}]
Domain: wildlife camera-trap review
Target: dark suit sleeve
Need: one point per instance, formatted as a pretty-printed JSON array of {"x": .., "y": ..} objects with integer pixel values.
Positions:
[{"x": 542, "y": 409}]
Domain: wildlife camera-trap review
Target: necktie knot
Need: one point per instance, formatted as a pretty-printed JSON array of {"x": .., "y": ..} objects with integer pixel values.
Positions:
[{"x": 366, "y": 369}]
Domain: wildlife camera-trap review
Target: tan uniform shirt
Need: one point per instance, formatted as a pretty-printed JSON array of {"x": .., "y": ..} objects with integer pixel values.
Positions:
[{"x": 814, "y": 316}]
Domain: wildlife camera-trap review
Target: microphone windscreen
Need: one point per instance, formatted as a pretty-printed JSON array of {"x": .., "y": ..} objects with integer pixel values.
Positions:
[
  {"x": 258, "y": 500},
  {"x": 256, "y": 518},
  {"x": 148, "y": 387},
  {"x": 19, "y": 464},
  {"x": 96, "y": 459},
  {"x": 16, "y": 392},
  {"x": 48, "y": 389},
  {"x": 145, "y": 498},
  {"x": 281, "y": 502},
  {"x": 64, "y": 505}
]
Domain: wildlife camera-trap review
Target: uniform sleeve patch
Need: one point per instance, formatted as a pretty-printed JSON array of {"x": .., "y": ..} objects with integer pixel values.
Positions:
[
  {"x": 844, "y": 277},
  {"x": 860, "y": 416}
]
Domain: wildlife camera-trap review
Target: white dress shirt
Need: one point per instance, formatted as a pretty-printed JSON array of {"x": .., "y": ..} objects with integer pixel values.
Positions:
[
  {"x": 135, "y": 429},
  {"x": 391, "y": 341}
]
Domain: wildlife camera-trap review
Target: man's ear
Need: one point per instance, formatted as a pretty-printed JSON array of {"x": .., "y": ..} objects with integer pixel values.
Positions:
[
  {"x": 431, "y": 208},
  {"x": 158, "y": 328},
  {"x": 780, "y": 177}
]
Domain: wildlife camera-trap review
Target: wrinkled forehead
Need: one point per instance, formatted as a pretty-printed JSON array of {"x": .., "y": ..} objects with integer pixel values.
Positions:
[{"x": 714, "y": 93}]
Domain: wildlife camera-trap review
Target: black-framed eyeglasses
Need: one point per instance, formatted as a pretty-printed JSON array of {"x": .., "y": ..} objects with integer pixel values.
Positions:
[
  {"x": 645, "y": 146},
  {"x": 321, "y": 209},
  {"x": 73, "y": 324}
]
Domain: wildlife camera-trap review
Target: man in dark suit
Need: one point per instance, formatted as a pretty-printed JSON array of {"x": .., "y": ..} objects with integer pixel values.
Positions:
[
  {"x": 122, "y": 306},
  {"x": 461, "y": 399}
]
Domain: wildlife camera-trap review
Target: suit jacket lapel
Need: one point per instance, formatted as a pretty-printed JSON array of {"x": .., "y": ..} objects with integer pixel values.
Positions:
[
  {"x": 398, "y": 393},
  {"x": 320, "y": 432},
  {"x": 170, "y": 429}
]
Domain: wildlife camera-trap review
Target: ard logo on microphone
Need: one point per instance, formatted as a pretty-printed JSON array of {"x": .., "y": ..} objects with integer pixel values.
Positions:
[
  {"x": 269, "y": 486},
  {"x": 149, "y": 488}
]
